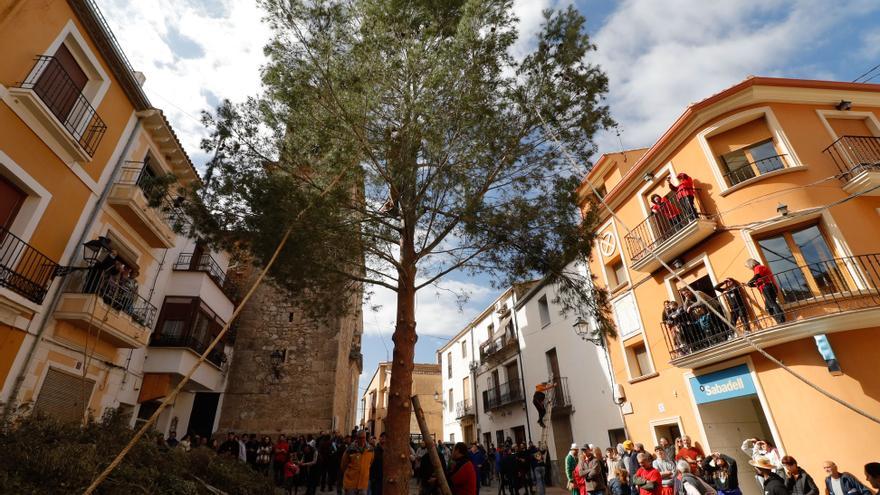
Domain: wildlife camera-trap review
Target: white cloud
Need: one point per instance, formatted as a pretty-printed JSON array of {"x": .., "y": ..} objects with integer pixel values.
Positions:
[
  {"x": 662, "y": 56},
  {"x": 193, "y": 53}
]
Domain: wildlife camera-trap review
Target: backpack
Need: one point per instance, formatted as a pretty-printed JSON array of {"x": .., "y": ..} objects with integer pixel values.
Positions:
[{"x": 701, "y": 486}]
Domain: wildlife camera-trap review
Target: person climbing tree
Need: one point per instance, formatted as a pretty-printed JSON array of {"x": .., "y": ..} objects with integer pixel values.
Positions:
[{"x": 539, "y": 398}]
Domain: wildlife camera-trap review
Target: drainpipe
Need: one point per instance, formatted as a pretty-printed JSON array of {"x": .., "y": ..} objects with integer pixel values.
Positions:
[
  {"x": 522, "y": 375},
  {"x": 472, "y": 370},
  {"x": 12, "y": 401}
]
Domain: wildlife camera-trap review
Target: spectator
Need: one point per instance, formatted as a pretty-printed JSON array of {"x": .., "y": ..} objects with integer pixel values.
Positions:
[
  {"x": 692, "y": 454},
  {"x": 766, "y": 284},
  {"x": 308, "y": 471},
  {"x": 186, "y": 443},
  {"x": 687, "y": 483},
  {"x": 628, "y": 458},
  {"x": 647, "y": 478},
  {"x": 242, "y": 449},
  {"x": 230, "y": 447},
  {"x": 376, "y": 467},
  {"x": 523, "y": 466},
  {"x": 707, "y": 322},
  {"x": 665, "y": 215},
  {"x": 571, "y": 461},
  {"x": 509, "y": 472},
  {"x": 172, "y": 439},
  {"x": 686, "y": 194},
  {"x": 872, "y": 474},
  {"x": 771, "y": 482},
  {"x": 666, "y": 467},
  {"x": 755, "y": 448},
  {"x": 668, "y": 447},
  {"x": 355, "y": 466},
  {"x": 539, "y": 470},
  {"x": 280, "y": 458},
  {"x": 797, "y": 481},
  {"x": 730, "y": 289},
  {"x": 619, "y": 484},
  {"x": 588, "y": 473},
  {"x": 264, "y": 455},
  {"x": 838, "y": 483},
  {"x": 291, "y": 471},
  {"x": 721, "y": 472},
  {"x": 477, "y": 458},
  {"x": 611, "y": 463},
  {"x": 683, "y": 329},
  {"x": 603, "y": 466},
  {"x": 250, "y": 448},
  {"x": 462, "y": 473}
]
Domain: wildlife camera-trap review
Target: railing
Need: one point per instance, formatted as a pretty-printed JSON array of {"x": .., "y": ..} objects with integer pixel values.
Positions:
[
  {"x": 120, "y": 294},
  {"x": 464, "y": 408},
  {"x": 807, "y": 291},
  {"x": 206, "y": 263},
  {"x": 755, "y": 169},
  {"x": 559, "y": 395},
  {"x": 63, "y": 97},
  {"x": 670, "y": 218},
  {"x": 497, "y": 345},
  {"x": 852, "y": 154},
  {"x": 155, "y": 191},
  {"x": 189, "y": 341},
  {"x": 502, "y": 395},
  {"x": 23, "y": 269}
]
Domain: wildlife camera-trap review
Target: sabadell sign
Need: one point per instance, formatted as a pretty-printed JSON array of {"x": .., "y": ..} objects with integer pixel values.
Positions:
[{"x": 724, "y": 384}]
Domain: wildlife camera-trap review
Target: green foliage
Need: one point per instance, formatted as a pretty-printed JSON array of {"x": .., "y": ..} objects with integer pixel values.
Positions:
[
  {"x": 42, "y": 456},
  {"x": 438, "y": 141}
]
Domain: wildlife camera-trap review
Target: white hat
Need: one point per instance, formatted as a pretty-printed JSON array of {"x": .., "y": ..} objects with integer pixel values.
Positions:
[{"x": 574, "y": 446}]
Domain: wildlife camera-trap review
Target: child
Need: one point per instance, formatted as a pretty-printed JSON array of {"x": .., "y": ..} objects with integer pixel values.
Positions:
[{"x": 291, "y": 472}]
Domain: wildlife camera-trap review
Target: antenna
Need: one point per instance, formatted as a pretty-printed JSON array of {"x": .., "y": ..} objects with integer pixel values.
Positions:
[{"x": 620, "y": 141}]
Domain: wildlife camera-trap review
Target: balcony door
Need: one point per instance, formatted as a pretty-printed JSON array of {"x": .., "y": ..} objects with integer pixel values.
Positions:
[
  {"x": 11, "y": 199},
  {"x": 61, "y": 84}
]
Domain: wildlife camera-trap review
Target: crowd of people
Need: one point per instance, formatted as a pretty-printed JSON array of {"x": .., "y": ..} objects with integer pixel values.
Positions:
[{"x": 682, "y": 468}]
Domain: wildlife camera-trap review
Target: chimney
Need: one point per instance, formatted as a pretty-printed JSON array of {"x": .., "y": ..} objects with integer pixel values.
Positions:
[{"x": 139, "y": 77}]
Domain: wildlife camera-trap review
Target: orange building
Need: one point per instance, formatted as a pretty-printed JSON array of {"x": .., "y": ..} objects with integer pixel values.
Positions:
[
  {"x": 786, "y": 172},
  {"x": 83, "y": 157}
]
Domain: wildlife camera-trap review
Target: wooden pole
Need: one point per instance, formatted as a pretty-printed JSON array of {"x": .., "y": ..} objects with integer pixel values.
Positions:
[{"x": 429, "y": 444}]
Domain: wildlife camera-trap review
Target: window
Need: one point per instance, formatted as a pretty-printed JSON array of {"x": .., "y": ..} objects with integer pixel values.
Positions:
[
  {"x": 448, "y": 365},
  {"x": 751, "y": 161},
  {"x": 803, "y": 263},
  {"x": 616, "y": 274},
  {"x": 452, "y": 438},
  {"x": 626, "y": 315},
  {"x": 451, "y": 401},
  {"x": 490, "y": 330},
  {"x": 638, "y": 360},
  {"x": 544, "y": 311},
  {"x": 464, "y": 348}
]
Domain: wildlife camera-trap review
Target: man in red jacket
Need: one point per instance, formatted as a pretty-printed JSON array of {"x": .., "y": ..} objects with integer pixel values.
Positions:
[
  {"x": 766, "y": 283},
  {"x": 462, "y": 475}
]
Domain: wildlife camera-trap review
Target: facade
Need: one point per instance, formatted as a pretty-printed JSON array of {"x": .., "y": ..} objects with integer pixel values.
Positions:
[
  {"x": 292, "y": 374},
  {"x": 785, "y": 173},
  {"x": 85, "y": 157},
  {"x": 426, "y": 383}
]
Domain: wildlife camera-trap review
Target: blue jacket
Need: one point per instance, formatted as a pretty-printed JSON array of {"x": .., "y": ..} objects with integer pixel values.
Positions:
[{"x": 849, "y": 484}]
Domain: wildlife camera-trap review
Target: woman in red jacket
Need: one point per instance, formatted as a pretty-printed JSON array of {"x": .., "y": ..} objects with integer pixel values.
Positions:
[
  {"x": 462, "y": 474},
  {"x": 686, "y": 193}
]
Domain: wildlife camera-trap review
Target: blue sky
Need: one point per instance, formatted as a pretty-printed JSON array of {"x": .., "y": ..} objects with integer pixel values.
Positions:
[{"x": 660, "y": 55}]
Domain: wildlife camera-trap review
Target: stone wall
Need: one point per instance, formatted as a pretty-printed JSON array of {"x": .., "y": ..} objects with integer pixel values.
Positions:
[{"x": 316, "y": 386}]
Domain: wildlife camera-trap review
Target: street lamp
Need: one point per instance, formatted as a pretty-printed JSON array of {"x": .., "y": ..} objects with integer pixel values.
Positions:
[
  {"x": 583, "y": 330},
  {"x": 93, "y": 251}
]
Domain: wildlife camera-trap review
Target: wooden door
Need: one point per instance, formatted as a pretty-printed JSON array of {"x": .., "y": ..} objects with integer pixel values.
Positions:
[
  {"x": 61, "y": 84},
  {"x": 11, "y": 199}
]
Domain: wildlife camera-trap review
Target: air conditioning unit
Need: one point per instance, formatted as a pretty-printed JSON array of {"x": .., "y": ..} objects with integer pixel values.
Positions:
[{"x": 619, "y": 394}]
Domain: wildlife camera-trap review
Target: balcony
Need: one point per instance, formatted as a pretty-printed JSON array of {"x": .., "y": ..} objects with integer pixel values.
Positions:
[
  {"x": 177, "y": 354},
  {"x": 23, "y": 269},
  {"x": 498, "y": 348},
  {"x": 502, "y": 395},
  {"x": 98, "y": 303},
  {"x": 205, "y": 263},
  {"x": 464, "y": 409},
  {"x": 858, "y": 161},
  {"x": 51, "y": 97},
  {"x": 825, "y": 297},
  {"x": 145, "y": 204},
  {"x": 755, "y": 169},
  {"x": 668, "y": 233},
  {"x": 559, "y": 399}
]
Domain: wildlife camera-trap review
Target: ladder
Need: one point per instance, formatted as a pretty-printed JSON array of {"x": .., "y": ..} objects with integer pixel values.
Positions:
[{"x": 549, "y": 399}]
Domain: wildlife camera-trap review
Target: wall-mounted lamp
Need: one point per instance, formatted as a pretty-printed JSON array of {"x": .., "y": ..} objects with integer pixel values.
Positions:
[
  {"x": 782, "y": 209},
  {"x": 648, "y": 177},
  {"x": 844, "y": 105},
  {"x": 276, "y": 359},
  {"x": 677, "y": 263},
  {"x": 93, "y": 251},
  {"x": 583, "y": 330}
]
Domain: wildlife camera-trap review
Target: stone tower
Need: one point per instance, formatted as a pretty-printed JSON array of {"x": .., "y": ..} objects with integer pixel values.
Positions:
[{"x": 311, "y": 384}]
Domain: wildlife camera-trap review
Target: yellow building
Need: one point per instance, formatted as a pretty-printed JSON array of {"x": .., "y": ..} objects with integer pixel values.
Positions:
[
  {"x": 785, "y": 172},
  {"x": 83, "y": 157},
  {"x": 426, "y": 385}
]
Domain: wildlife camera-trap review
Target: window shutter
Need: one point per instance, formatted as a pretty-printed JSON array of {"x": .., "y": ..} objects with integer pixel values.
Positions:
[{"x": 62, "y": 394}]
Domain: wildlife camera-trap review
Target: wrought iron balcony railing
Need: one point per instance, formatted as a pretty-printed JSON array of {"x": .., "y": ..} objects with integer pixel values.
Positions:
[
  {"x": 502, "y": 395},
  {"x": 853, "y": 154},
  {"x": 755, "y": 169},
  {"x": 673, "y": 216},
  {"x": 62, "y": 96},
  {"x": 192, "y": 342},
  {"x": 808, "y": 291},
  {"x": 23, "y": 269},
  {"x": 119, "y": 294},
  {"x": 154, "y": 189},
  {"x": 207, "y": 264},
  {"x": 559, "y": 397},
  {"x": 496, "y": 346},
  {"x": 464, "y": 408}
]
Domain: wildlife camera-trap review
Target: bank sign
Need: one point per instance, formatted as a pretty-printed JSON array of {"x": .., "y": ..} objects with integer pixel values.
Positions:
[{"x": 724, "y": 384}]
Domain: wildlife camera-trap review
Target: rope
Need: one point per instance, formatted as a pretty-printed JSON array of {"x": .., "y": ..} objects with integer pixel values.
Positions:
[
  {"x": 87, "y": 356},
  {"x": 554, "y": 137},
  {"x": 142, "y": 431}
]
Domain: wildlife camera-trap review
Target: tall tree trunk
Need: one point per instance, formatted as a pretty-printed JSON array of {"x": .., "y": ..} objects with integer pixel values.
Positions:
[{"x": 396, "y": 466}]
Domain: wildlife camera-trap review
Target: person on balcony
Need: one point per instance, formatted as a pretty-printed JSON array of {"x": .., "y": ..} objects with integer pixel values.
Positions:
[
  {"x": 766, "y": 283},
  {"x": 730, "y": 290},
  {"x": 678, "y": 321},
  {"x": 706, "y": 320},
  {"x": 665, "y": 215},
  {"x": 538, "y": 400},
  {"x": 685, "y": 193}
]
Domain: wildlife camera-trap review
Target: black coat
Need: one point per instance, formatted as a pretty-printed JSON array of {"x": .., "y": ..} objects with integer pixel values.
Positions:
[
  {"x": 803, "y": 485},
  {"x": 774, "y": 485}
]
